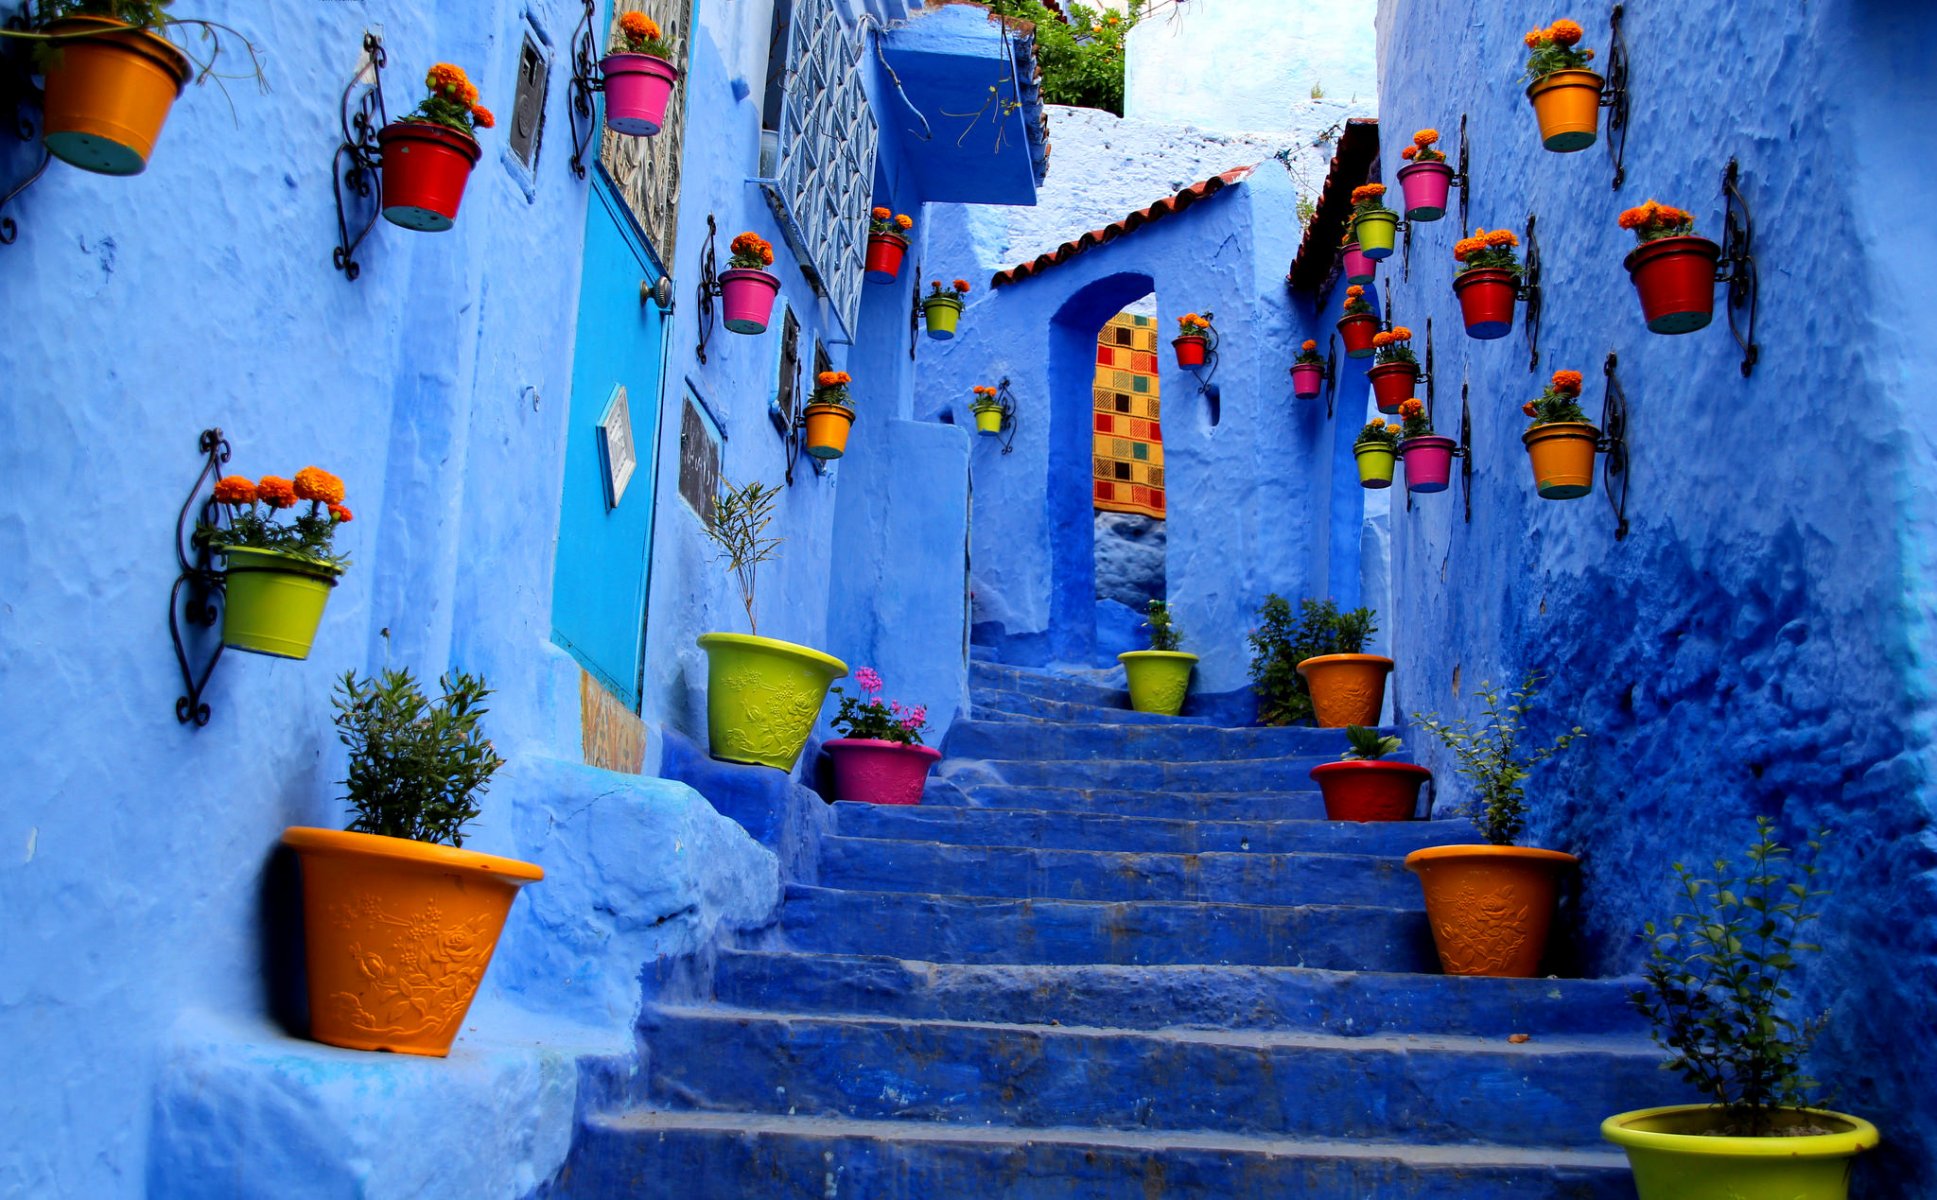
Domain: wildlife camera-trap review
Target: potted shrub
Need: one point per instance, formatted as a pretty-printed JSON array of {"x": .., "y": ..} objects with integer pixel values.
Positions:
[
  {"x": 1347, "y": 686},
  {"x": 1566, "y": 96},
  {"x": 1395, "y": 370},
  {"x": 1490, "y": 906},
  {"x": 1376, "y": 449},
  {"x": 1373, "y": 224},
  {"x": 1673, "y": 269},
  {"x": 762, "y": 695},
  {"x": 830, "y": 416},
  {"x": 987, "y": 409},
  {"x": 941, "y": 310},
  {"x": 1357, "y": 267},
  {"x": 747, "y": 288},
  {"x": 399, "y": 920},
  {"x": 1717, "y": 977},
  {"x": 277, "y": 577},
  {"x": 1428, "y": 456},
  {"x": 879, "y": 758},
  {"x": 428, "y": 155},
  {"x": 1561, "y": 443},
  {"x": 887, "y": 243},
  {"x": 1362, "y": 786},
  {"x": 1281, "y": 643},
  {"x": 1425, "y": 179},
  {"x": 1487, "y": 282},
  {"x": 1307, "y": 371},
  {"x": 1193, "y": 340},
  {"x": 1160, "y": 676},
  {"x": 1357, "y": 327},
  {"x": 639, "y": 76}
]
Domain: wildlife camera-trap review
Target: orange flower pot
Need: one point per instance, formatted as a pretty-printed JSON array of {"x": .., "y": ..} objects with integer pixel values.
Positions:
[
  {"x": 1347, "y": 689},
  {"x": 1568, "y": 106},
  {"x": 399, "y": 934},
  {"x": 108, "y": 95},
  {"x": 1490, "y": 907},
  {"x": 1562, "y": 454},
  {"x": 827, "y": 429}
]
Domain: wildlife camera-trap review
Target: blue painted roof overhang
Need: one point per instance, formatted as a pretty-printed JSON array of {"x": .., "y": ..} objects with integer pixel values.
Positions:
[{"x": 972, "y": 77}]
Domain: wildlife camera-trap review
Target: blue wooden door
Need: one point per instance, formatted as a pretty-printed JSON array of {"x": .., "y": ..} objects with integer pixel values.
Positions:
[{"x": 605, "y": 548}]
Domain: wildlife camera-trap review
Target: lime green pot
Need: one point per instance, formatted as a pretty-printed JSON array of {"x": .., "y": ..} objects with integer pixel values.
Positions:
[
  {"x": 273, "y": 602},
  {"x": 1158, "y": 679},
  {"x": 1376, "y": 231},
  {"x": 1673, "y": 1158},
  {"x": 763, "y": 697},
  {"x": 941, "y": 312}
]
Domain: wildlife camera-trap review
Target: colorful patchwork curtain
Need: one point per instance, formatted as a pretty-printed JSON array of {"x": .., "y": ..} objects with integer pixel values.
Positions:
[{"x": 1129, "y": 450}]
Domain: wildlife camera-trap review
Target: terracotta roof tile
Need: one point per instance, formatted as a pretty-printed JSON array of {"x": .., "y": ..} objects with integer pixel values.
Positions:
[
  {"x": 1116, "y": 229},
  {"x": 1358, "y": 151}
]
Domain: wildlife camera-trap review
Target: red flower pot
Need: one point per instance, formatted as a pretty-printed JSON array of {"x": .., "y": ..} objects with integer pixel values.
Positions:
[
  {"x": 1376, "y": 790},
  {"x": 877, "y": 771},
  {"x": 1676, "y": 279},
  {"x": 1486, "y": 299},
  {"x": 1357, "y": 330},
  {"x": 1392, "y": 384},
  {"x": 1190, "y": 350},
  {"x": 884, "y": 256},
  {"x": 1306, "y": 379},
  {"x": 425, "y": 168}
]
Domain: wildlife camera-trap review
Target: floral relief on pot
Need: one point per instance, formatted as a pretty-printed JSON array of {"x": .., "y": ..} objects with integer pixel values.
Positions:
[
  {"x": 773, "y": 720},
  {"x": 421, "y": 978},
  {"x": 1498, "y": 923}
]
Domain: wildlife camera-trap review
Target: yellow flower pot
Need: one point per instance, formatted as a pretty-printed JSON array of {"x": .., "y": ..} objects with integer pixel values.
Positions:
[
  {"x": 1159, "y": 679},
  {"x": 763, "y": 697},
  {"x": 1674, "y": 1157}
]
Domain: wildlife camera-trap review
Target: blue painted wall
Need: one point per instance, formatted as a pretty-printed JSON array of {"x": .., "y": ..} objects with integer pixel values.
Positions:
[{"x": 1760, "y": 642}]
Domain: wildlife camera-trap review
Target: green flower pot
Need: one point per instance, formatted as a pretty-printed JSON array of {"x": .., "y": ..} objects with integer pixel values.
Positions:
[
  {"x": 763, "y": 697},
  {"x": 1159, "y": 679},
  {"x": 1376, "y": 231},
  {"x": 273, "y": 601},
  {"x": 941, "y": 313},
  {"x": 1673, "y": 1158}
]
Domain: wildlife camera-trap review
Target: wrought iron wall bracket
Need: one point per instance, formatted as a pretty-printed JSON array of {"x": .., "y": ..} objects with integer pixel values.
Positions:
[
  {"x": 1737, "y": 267},
  {"x": 914, "y": 313},
  {"x": 1207, "y": 370},
  {"x": 1331, "y": 376},
  {"x": 587, "y": 81},
  {"x": 1010, "y": 421},
  {"x": 1530, "y": 292},
  {"x": 1614, "y": 96},
  {"x": 708, "y": 286},
  {"x": 1463, "y": 178},
  {"x": 1428, "y": 376},
  {"x": 356, "y": 170},
  {"x": 198, "y": 593},
  {"x": 28, "y": 103},
  {"x": 1464, "y": 451},
  {"x": 1613, "y": 445}
]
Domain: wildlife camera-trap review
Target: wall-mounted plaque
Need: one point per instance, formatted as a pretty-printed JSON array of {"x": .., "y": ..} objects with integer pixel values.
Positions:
[{"x": 617, "y": 453}]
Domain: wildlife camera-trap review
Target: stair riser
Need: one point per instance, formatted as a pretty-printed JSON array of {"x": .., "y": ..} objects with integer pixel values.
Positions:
[
  {"x": 1062, "y": 742},
  {"x": 1043, "y": 686},
  {"x": 1291, "y": 804},
  {"x": 1096, "y": 831},
  {"x": 1262, "y": 775},
  {"x": 998, "y": 704},
  {"x": 980, "y": 1074},
  {"x": 946, "y": 929}
]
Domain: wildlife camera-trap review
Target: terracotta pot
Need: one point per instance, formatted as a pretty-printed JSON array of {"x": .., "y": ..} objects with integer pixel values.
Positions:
[
  {"x": 1486, "y": 299},
  {"x": 1490, "y": 907},
  {"x": 637, "y": 90},
  {"x": 878, "y": 771},
  {"x": 108, "y": 95},
  {"x": 1429, "y": 462},
  {"x": 1370, "y": 790},
  {"x": 1675, "y": 1155},
  {"x": 398, "y": 934},
  {"x": 827, "y": 430},
  {"x": 1158, "y": 679},
  {"x": 1562, "y": 454},
  {"x": 1375, "y": 461},
  {"x": 1356, "y": 331},
  {"x": 1392, "y": 384},
  {"x": 1425, "y": 185},
  {"x": 1675, "y": 278},
  {"x": 885, "y": 251},
  {"x": 1568, "y": 106},
  {"x": 1190, "y": 350},
  {"x": 746, "y": 299},
  {"x": 425, "y": 168},
  {"x": 1307, "y": 379},
  {"x": 1358, "y": 268},
  {"x": 1346, "y": 689},
  {"x": 941, "y": 313}
]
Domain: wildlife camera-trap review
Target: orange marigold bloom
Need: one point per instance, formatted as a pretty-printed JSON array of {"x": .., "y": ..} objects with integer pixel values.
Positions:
[
  {"x": 1634, "y": 218},
  {"x": 639, "y": 27},
  {"x": 1309, "y": 345},
  {"x": 1502, "y": 237},
  {"x": 1567, "y": 382},
  {"x": 1354, "y": 292},
  {"x": 314, "y": 483},
  {"x": 447, "y": 77},
  {"x": 235, "y": 489},
  {"x": 1425, "y": 137},
  {"x": 1409, "y": 153},
  {"x": 961, "y": 285},
  {"x": 1401, "y": 334},
  {"x": 276, "y": 492},
  {"x": 481, "y": 117},
  {"x": 1536, "y": 38},
  {"x": 881, "y": 214},
  {"x": 1391, "y": 428},
  {"x": 1529, "y": 409},
  {"x": 904, "y": 222},
  {"x": 1367, "y": 191},
  {"x": 1411, "y": 408},
  {"x": 340, "y": 514},
  {"x": 1381, "y": 340},
  {"x": 1565, "y": 32}
]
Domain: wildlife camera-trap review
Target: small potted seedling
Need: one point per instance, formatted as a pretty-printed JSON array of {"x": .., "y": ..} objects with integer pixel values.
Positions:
[
  {"x": 1159, "y": 677},
  {"x": 1329, "y": 643},
  {"x": 1363, "y": 786},
  {"x": 879, "y": 757}
]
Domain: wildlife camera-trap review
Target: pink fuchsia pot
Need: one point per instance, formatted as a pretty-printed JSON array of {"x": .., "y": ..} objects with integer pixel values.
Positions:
[
  {"x": 746, "y": 296},
  {"x": 637, "y": 90},
  {"x": 1425, "y": 185},
  {"x": 1429, "y": 462},
  {"x": 875, "y": 771},
  {"x": 1306, "y": 379},
  {"x": 1358, "y": 268}
]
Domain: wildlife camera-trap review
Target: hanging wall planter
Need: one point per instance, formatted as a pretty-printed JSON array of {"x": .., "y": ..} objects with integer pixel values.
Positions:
[
  {"x": 427, "y": 157},
  {"x": 1428, "y": 457},
  {"x": 1358, "y": 268},
  {"x": 1488, "y": 282},
  {"x": 1193, "y": 340},
  {"x": 941, "y": 310},
  {"x": 987, "y": 408},
  {"x": 1346, "y": 689},
  {"x": 1376, "y": 449},
  {"x": 1561, "y": 444},
  {"x": 1426, "y": 178},
  {"x": 1361, "y": 786},
  {"x": 1308, "y": 371},
  {"x": 830, "y": 416},
  {"x": 278, "y": 576},
  {"x": 887, "y": 244},
  {"x": 638, "y": 77},
  {"x": 747, "y": 288},
  {"x": 1673, "y": 270},
  {"x": 1565, "y": 95},
  {"x": 1359, "y": 324},
  {"x": 109, "y": 91},
  {"x": 1374, "y": 225},
  {"x": 1396, "y": 374}
]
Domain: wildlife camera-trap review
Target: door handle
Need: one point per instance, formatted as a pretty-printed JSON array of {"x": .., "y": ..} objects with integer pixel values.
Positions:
[{"x": 660, "y": 293}]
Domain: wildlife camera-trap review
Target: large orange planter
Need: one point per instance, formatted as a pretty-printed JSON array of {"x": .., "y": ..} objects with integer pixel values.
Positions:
[
  {"x": 1347, "y": 689},
  {"x": 827, "y": 429},
  {"x": 1562, "y": 454},
  {"x": 108, "y": 95},
  {"x": 399, "y": 934},
  {"x": 1568, "y": 106},
  {"x": 1490, "y": 907}
]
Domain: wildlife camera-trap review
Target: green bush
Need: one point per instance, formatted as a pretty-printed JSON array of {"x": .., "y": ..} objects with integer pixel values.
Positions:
[
  {"x": 1164, "y": 634},
  {"x": 1081, "y": 59},
  {"x": 1281, "y": 642},
  {"x": 416, "y": 765},
  {"x": 1493, "y": 759}
]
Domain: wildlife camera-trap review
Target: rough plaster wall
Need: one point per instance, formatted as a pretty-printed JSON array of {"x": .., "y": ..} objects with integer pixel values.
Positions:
[
  {"x": 1234, "y": 66},
  {"x": 1759, "y": 643},
  {"x": 1129, "y": 558}
]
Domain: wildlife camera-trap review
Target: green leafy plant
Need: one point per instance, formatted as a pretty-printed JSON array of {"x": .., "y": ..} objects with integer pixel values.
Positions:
[
  {"x": 1414, "y": 420},
  {"x": 1380, "y": 432},
  {"x": 1718, "y": 980},
  {"x": 1164, "y": 634},
  {"x": 1492, "y": 757},
  {"x": 870, "y": 718},
  {"x": 1552, "y": 49},
  {"x": 1367, "y": 745},
  {"x": 252, "y": 509},
  {"x": 1081, "y": 57},
  {"x": 417, "y": 765},
  {"x": 1560, "y": 402},
  {"x": 740, "y": 519},
  {"x": 1281, "y": 641},
  {"x": 151, "y": 15}
]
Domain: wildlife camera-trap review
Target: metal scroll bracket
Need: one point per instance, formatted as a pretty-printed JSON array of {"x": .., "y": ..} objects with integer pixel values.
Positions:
[
  {"x": 198, "y": 592},
  {"x": 1614, "y": 96},
  {"x": 914, "y": 313},
  {"x": 1010, "y": 421},
  {"x": 587, "y": 81},
  {"x": 357, "y": 169},
  {"x": 1613, "y": 445},
  {"x": 1737, "y": 267},
  {"x": 1464, "y": 451},
  {"x": 708, "y": 287},
  {"x": 1207, "y": 370},
  {"x": 27, "y": 101},
  {"x": 1531, "y": 293},
  {"x": 1331, "y": 375}
]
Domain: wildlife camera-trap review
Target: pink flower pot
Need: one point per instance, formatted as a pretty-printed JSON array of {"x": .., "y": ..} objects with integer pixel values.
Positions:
[
  {"x": 1306, "y": 379},
  {"x": 874, "y": 771},
  {"x": 637, "y": 89},
  {"x": 747, "y": 298},
  {"x": 1425, "y": 186},
  {"x": 1429, "y": 462},
  {"x": 1358, "y": 268}
]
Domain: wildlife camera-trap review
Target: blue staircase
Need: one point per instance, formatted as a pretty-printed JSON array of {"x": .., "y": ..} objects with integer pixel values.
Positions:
[{"x": 1115, "y": 955}]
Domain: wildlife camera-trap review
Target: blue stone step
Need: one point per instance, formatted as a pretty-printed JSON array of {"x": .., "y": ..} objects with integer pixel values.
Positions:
[
  {"x": 1075, "y": 830},
  {"x": 1240, "y": 878},
  {"x": 1008, "y": 740},
  {"x": 1547, "y": 1092},
  {"x": 1000, "y": 704},
  {"x": 1103, "y": 689},
  {"x": 1346, "y": 1003},
  {"x": 652, "y": 1155},
  {"x": 966, "y": 929},
  {"x": 968, "y": 791},
  {"x": 1290, "y": 773}
]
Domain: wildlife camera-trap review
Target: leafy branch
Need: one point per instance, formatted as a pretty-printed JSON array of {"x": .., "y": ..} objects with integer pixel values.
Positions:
[{"x": 1491, "y": 756}]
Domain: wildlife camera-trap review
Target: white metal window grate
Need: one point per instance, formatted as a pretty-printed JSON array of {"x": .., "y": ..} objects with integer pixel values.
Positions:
[{"x": 824, "y": 180}]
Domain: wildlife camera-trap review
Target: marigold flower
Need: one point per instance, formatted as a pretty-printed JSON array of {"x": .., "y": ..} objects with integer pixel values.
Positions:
[
  {"x": 1425, "y": 138},
  {"x": 1529, "y": 409},
  {"x": 340, "y": 514},
  {"x": 1367, "y": 191},
  {"x": 1567, "y": 383},
  {"x": 1411, "y": 408},
  {"x": 1381, "y": 340},
  {"x": 1500, "y": 238},
  {"x": 235, "y": 489},
  {"x": 447, "y": 77},
  {"x": 276, "y": 491},
  {"x": 467, "y": 95},
  {"x": 481, "y": 117},
  {"x": 1354, "y": 292},
  {"x": 314, "y": 483},
  {"x": 639, "y": 27},
  {"x": 881, "y": 214},
  {"x": 905, "y": 222},
  {"x": 1309, "y": 345},
  {"x": 1536, "y": 38},
  {"x": 1401, "y": 334},
  {"x": 1391, "y": 428},
  {"x": 1565, "y": 32},
  {"x": 961, "y": 285},
  {"x": 1409, "y": 153}
]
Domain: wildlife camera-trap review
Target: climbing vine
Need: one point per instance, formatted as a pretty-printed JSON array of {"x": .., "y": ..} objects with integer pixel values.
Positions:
[{"x": 1081, "y": 57}]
